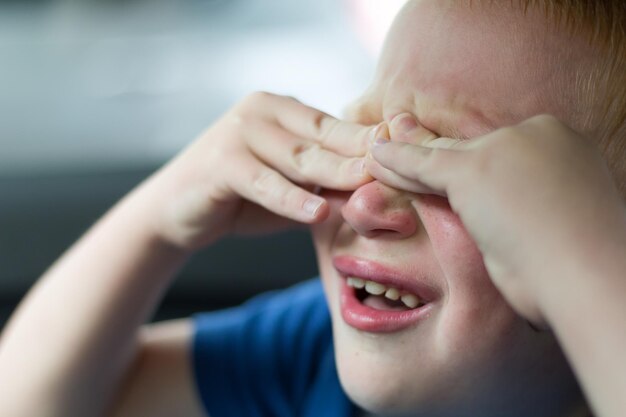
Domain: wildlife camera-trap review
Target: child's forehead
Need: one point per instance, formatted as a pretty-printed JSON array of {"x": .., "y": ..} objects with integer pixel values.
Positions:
[{"x": 464, "y": 73}]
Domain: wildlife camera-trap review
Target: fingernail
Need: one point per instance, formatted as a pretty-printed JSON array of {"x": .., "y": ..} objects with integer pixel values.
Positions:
[
  {"x": 381, "y": 130},
  {"x": 374, "y": 132},
  {"x": 404, "y": 123},
  {"x": 312, "y": 206},
  {"x": 379, "y": 142},
  {"x": 358, "y": 167}
]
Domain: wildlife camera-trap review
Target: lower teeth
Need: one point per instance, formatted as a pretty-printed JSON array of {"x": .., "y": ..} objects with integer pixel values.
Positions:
[{"x": 380, "y": 302}]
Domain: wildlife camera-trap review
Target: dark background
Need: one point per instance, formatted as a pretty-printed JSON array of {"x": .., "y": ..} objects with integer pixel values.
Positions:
[{"x": 44, "y": 215}]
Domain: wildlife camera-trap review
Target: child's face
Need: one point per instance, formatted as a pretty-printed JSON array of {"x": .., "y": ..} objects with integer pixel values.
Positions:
[{"x": 461, "y": 72}]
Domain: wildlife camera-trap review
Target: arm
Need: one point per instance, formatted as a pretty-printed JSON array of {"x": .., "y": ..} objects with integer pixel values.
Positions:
[
  {"x": 540, "y": 203},
  {"x": 75, "y": 338},
  {"x": 161, "y": 382},
  {"x": 585, "y": 307}
]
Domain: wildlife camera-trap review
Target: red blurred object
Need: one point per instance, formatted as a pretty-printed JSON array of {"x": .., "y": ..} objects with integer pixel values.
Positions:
[{"x": 372, "y": 19}]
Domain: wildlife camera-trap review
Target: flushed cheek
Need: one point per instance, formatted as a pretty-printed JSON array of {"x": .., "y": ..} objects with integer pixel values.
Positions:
[
  {"x": 456, "y": 252},
  {"x": 328, "y": 228},
  {"x": 472, "y": 304},
  {"x": 324, "y": 234}
]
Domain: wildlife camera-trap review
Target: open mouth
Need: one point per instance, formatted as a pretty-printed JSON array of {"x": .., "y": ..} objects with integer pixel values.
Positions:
[
  {"x": 381, "y": 297},
  {"x": 380, "y": 308}
]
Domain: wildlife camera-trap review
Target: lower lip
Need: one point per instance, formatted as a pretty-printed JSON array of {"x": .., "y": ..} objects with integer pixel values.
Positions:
[{"x": 368, "y": 319}]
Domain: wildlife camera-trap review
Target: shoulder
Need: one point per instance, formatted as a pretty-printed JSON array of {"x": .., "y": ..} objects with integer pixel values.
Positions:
[{"x": 297, "y": 311}]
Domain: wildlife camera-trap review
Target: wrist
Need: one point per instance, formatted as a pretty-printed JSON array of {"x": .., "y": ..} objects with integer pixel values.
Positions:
[
  {"x": 141, "y": 212},
  {"x": 586, "y": 312},
  {"x": 592, "y": 273}
]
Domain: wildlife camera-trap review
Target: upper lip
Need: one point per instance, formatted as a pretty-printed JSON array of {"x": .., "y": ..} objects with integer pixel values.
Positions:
[{"x": 350, "y": 266}]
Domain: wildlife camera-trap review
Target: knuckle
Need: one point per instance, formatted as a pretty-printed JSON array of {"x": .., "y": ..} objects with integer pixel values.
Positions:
[
  {"x": 542, "y": 122},
  {"x": 271, "y": 191},
  {"x": 291, "y": 99},
  {"x": 437, "y": 156},
  {"x": 265, "y": 182},
  {"x": 510, "y": 133},
  {"x": 322, "y": 126},
  {"x": 348, "y": 165},
  {"x": 257, "y": 98},
  {"x": 235, "y": 119},
  {"x": 290, "y": 197},
  {"x": 435, "y": 161},
  {"x": 505, "y": 139},
  {"x": 305, "y": 157},
  {"x": 544, "y": 118}
]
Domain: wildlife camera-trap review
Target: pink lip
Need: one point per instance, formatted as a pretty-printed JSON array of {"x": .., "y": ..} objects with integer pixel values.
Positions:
[{"x": 365, "y": 318}]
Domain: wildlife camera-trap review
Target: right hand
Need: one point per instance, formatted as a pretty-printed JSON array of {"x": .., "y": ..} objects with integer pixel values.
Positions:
[
  {"x": 537, "y": 198},
  {"x": 254, "y": 171}
]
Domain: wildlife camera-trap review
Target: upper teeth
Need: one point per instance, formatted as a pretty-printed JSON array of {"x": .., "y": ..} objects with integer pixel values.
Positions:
[{"x": 375, "y": 288}]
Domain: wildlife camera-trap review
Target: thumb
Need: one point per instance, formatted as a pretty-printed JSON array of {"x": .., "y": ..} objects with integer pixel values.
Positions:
[
  {"x": 406, "y": 128},
  {"x": 432, "y": 164},
  {"x": 431, "y": 171}
]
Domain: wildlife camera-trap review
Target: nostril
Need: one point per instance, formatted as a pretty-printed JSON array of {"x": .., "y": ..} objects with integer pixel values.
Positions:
[
  {"x": 379, "y": 231},
  {"x": 382, "y": 233}
]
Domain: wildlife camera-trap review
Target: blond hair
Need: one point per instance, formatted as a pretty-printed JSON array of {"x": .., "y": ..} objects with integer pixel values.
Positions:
[{"x": 603, "y": 24}]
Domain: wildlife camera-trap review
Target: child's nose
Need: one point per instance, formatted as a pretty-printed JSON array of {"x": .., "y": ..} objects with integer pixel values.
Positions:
[{"x": 376, "y": 210}]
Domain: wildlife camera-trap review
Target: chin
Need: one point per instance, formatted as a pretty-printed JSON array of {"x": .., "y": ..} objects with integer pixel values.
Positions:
[
  {"x": 374, "y": 378},
  {"x": 378, "y": 394},
  {"x": 382, "y": 376}
]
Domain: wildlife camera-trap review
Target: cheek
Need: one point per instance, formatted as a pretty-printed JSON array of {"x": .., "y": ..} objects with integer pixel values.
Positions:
[
  {"x": 325, "y": 233},
  {"x": 456, "y": 252},
  {"x": 472, "y": 304}
]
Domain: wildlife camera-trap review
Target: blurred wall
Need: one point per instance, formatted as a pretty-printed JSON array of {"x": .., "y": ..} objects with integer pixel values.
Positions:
[{"x": 96, "y": 95}]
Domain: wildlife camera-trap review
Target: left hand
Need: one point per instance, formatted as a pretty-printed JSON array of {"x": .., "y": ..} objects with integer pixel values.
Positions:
[{"x": 536, "y": 198}]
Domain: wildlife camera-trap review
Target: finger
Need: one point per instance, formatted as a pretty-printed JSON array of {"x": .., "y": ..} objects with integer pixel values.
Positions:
[
  {"x": 395, "y": 180},
  {"x": 406, "y": 128},
  {"x": 345, "y": 138},
  {"x": 266, "y": 187},
  {"x": 303, "y": 161},
  {"x": 435, "y": 168}
]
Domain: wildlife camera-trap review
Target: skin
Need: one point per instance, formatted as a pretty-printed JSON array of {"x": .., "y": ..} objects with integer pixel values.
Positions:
[
  {"x": 579, "y": 299},
  {"x": 272, "y": 144},
  {"x": 278, "y": 152},
  {"x": 465, "y": 71},
  {"x": 462, "y": 85}
]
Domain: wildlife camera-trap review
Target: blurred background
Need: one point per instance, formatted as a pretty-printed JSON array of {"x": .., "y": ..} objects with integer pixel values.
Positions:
[{"x": 95, "y": 95}]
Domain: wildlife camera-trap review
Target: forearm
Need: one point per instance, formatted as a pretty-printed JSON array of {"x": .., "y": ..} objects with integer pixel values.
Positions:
[
  {"x": 69, "y": 343},
  {"x": 73, "y": 337},
  {"x": 588, "y": 314}
]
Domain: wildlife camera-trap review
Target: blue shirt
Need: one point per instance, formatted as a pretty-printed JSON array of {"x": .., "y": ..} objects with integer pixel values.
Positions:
[{"x": 273, "y": 356}]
